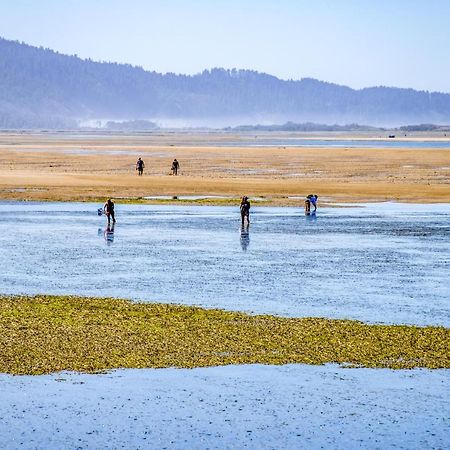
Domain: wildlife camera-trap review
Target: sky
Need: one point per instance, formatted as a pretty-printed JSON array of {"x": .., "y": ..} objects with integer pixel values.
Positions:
[{"x": 358, "y": 43}]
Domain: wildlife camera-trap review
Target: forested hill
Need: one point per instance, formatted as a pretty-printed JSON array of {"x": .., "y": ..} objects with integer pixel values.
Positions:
[{"x": 42, "y": 88}]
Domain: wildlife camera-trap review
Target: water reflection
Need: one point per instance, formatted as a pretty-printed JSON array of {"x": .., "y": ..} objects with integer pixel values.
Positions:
[
  {"x": 108, "y": 234},
  {"x": 245, "y": 237},
  {"x": 311, "y": 216}
]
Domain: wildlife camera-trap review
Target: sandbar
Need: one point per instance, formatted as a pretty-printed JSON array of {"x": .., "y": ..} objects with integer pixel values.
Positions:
[{"x": 88, "y": 167}]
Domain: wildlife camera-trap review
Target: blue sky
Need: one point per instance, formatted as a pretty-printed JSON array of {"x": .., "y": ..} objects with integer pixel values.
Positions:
[{"x": 356, "y": 43}]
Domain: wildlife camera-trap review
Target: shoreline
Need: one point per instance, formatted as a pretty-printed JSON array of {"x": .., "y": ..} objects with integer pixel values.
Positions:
[
  {"x": 275, "y": 191},
  {"x": 206, "y": 201},
  {"x": 378, "y": 134}
]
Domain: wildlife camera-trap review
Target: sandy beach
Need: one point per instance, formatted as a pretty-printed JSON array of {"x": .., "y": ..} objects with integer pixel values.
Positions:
[{"x": 80, "y": 166}]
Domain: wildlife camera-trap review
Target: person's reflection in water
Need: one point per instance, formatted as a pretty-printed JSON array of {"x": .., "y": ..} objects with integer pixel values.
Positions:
[
  {"x": 245, "y": 237},
  {"x": 109, "y": 234},
  {"x": 311, "y": 217}
]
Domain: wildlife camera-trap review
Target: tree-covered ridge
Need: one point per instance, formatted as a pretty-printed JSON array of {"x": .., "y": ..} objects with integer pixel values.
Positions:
[{"x": 42, "y": 88}]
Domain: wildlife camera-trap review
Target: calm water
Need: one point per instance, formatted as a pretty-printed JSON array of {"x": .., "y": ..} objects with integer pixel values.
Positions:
[
  {"x": 379, "y": 263},
  {"x": 234, "y": 407},
  {"x": 261, "y": 141}
]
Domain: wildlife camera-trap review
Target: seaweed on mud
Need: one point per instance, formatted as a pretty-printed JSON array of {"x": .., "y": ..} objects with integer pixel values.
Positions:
[{"x": 44, "y": 334}]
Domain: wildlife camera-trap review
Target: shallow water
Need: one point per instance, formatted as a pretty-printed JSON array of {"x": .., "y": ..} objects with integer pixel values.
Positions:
[
  {"x": 378, "y": 263},
  {"x": 254, "y": 407},
  {"x": 251, "y": 141},
  {"x": 264, "y": 141}
]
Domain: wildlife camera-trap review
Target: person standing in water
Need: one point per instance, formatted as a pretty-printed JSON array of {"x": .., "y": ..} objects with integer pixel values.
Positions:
[
  {"x": 311, "y": 199},
  {"x": 245, "y": 210},
  {"x": 108, "y": 209},
  {"x": 175, "y": 167},
  {"x": 140, "y": 166}
]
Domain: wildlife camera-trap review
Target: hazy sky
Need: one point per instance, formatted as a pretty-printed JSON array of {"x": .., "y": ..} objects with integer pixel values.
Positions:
[{"x": 361, "y": 43}]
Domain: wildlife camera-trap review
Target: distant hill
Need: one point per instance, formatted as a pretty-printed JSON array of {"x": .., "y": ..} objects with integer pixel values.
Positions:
[{"x": 40, "y": 88}]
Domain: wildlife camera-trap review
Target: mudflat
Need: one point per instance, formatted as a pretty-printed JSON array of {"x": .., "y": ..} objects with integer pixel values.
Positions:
[
  {"x": 84, "y": 167},
  {"x": 45, "y": 334}
]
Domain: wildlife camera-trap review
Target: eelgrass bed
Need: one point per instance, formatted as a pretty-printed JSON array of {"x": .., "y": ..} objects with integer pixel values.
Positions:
[{"x": 44, "y": 334}]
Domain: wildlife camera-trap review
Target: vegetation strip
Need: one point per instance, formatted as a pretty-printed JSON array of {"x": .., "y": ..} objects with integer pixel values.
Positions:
[{"x": 45, "y": 334}]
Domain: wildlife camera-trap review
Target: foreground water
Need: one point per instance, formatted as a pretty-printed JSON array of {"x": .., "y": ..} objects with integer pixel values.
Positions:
[
  {"x": 378, "y": 263},
  {"x": 256, "y": 407}
]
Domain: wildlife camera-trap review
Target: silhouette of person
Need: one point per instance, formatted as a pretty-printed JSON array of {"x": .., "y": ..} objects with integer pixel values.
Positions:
[
  {"x": 140, "y": 166},
  {"x": 245, "y": 237},
  {"x": 245, "y": 210},
  {"x": 175, "y": 167},
  {"x": 108, "y": 209}
]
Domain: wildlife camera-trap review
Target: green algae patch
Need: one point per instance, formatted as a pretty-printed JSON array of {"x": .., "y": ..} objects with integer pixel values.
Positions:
[{"x": 44, "y": 334}]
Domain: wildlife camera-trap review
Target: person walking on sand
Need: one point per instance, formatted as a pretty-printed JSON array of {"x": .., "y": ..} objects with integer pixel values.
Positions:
[
  {"x": 140, "y": 166},
  {"x": 245, "y": 210},
  {"x": 311, "y": 199},
  {"x": 175, "y": 167},
  {"x": 108, "y": 209}
]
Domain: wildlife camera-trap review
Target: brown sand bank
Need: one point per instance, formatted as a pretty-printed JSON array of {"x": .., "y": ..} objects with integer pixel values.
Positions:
[{"x": 88, "y": 167}]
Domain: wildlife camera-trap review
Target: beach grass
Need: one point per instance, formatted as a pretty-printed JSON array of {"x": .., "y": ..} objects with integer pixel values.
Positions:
[{"x": 45, "y": 334}]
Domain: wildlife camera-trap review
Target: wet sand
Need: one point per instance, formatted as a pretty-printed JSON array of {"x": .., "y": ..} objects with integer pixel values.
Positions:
[{"x": 79, "y": 166}]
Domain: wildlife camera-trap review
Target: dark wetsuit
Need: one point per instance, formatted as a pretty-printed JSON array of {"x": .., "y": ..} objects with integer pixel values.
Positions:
[
  {"x": 245, "y": 210},
  {"x": 109, "y": 211},
  {"x": 140, "y": 166},
  {"x": 175, "y": 167}
]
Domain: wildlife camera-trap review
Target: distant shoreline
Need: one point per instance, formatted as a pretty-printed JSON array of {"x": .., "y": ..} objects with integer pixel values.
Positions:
[{"x": 377, "y": 134}]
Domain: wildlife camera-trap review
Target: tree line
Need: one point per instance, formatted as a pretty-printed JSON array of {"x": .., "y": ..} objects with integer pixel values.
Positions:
[{"x": 43, "y": 88}]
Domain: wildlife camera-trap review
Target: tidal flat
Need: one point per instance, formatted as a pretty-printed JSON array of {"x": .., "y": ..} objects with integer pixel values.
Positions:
[
  {"x": 72, "y": 166},
  {"x": 377, "y": 263},
  {"x": 45, "y": 334},
  {"x": 384, "y": 264}
]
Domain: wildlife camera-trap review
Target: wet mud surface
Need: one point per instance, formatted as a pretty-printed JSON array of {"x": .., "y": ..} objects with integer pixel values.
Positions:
[{"x": 386, "y": 263}]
